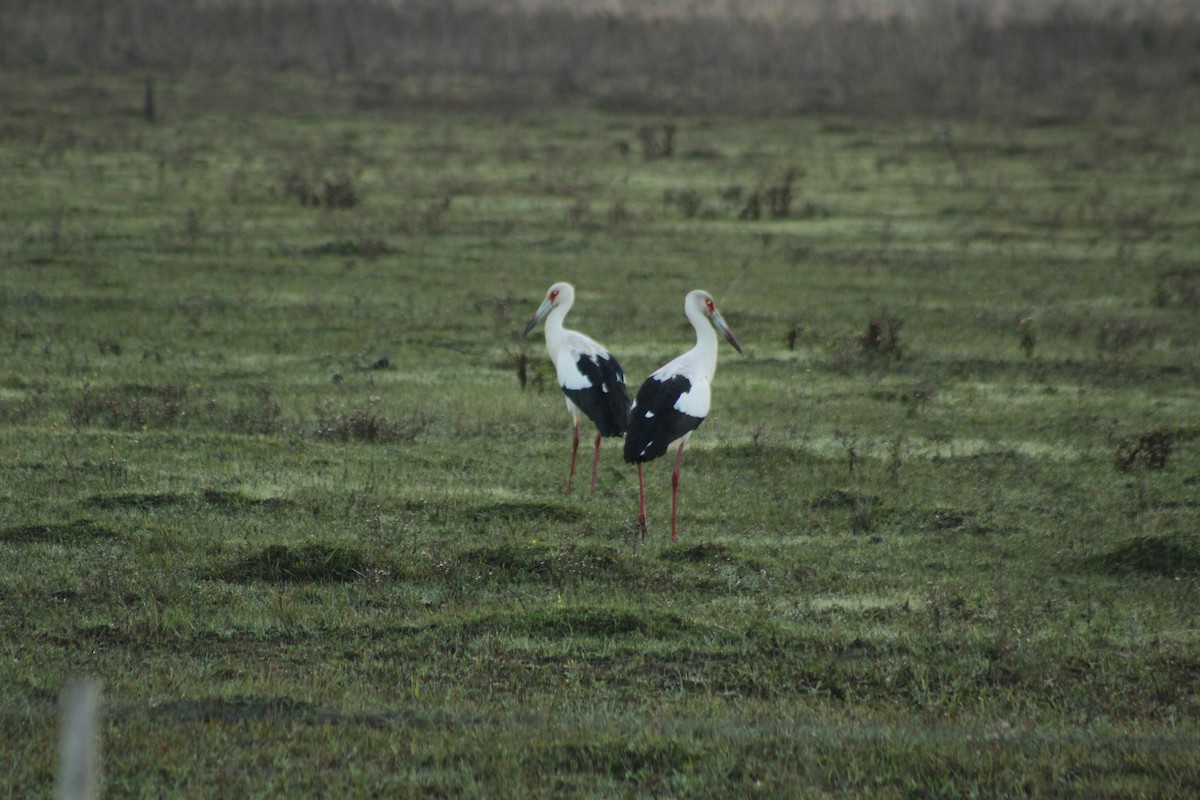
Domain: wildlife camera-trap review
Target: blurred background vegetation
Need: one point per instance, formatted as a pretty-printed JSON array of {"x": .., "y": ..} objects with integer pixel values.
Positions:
[{"x": 1025, "y": 62}]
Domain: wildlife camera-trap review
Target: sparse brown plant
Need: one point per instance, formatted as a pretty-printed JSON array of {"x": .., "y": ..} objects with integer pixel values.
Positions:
[
  {"x": 366, "y": 423},
  {"x": 848, "y": 437},
  {"x": 895, "y": 458},
  {"x": 686, "y": 201},
  {"x": 881, "y": 339},
  {"x": 1119, "y": 337},
  {"x": 298, "y": 184},
  {"x": 792, "y": 334},
  {"x": 1027, "y": 335},
  {"x": 339, "y": 192}
]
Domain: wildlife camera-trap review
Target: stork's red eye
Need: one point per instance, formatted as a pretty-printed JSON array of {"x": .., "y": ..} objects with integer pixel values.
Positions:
[
  {"x": 554, "y": 295},
  {"x": 711, "y": 308}
]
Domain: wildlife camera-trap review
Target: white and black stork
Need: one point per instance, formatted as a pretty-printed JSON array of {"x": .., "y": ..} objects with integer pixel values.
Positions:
[
  {"x": 590, "y": 377},
  {"x": 674, "y": 400}
]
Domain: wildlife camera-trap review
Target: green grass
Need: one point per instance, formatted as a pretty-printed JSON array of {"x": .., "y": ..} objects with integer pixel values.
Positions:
[{"x": 270, "y": 476}]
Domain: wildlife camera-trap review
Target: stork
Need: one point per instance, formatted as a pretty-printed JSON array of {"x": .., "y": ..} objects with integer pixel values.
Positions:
[
  {"x": 589, "y": 376},
  {"x": 674, "y": 399}
]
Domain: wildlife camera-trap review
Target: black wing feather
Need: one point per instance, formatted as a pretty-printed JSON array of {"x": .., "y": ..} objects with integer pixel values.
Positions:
[
  {"x": 655, "y": 422},
  {"x": 606, "y": 401}
]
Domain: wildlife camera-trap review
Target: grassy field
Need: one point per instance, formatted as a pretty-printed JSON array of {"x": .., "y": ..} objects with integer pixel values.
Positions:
[{"x": 278, "y": 470}]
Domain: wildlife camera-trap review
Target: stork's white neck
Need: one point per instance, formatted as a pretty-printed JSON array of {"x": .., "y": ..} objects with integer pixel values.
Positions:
[
  {"x": 556, "y": 334},
  {"x": 704, "y": 354}
]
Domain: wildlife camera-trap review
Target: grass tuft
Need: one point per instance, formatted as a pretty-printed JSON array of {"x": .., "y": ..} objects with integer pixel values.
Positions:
[
  {"x": 698, "y": 553},
  {"x": 75, "y": 532},
  {"x": 1150, "y": 451},
  {"x": 621, "y": 758},
  {"x": 527, "y": 511},
  {"x": 595, "y": 621},
  {"x": 139, "y": 501},
  {"x": 1168, "y": 556},
  {"x": 948, "y": 520},
  {"x": 238, "y": 501},
  {"x": 366, "y": 424},
  {"x": 839, "y": 498},
  {"x": 510, "y": 561},
  {"x": 309, "y": 563}
]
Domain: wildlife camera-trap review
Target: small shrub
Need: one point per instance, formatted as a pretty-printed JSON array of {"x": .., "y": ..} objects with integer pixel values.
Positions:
[
  {"x": 882, "y": 337},
  {"x": 336, "y": 192},
  {"x": 299, "y": 185},
  {"x": 775, "y": 199},
  {"x": 687, "y": 201},
  {"x": 862, "y": 518},
  {"x": 914, "y": 398},
  {"x": 521, "y": 365},
  {"x": 257, "y": 412},
  {"x": 532, "y": 373},
  {"x": 658, "y": 141},
  {"x": 947, "y": 520},
  {"x": 792, "y": 334},
  {"x": 1027, "y": 335},
  {"x": 1150, "y": 451},
  {"x": 163, "y": 408},
  {"x": 339, "y": 192},
  {"x": 779, "y": 197},
  {"x": 366, "y": 424},
  {"x": 849, "y": 441},
  {"x": 1178, "y": 288},
  {"x": 895, "y": 458},
  {"x": 753, "y": 208}
]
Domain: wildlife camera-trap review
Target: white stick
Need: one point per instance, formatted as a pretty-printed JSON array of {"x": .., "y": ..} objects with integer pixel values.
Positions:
[{"x": 78, "y": 741}]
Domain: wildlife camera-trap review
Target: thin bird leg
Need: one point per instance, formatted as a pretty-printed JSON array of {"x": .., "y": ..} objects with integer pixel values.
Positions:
[
  {"x": 642, "y": 498},
  {"x": 675, "y": 487},
  {"x": 595, "y": 464},
  {"x": 574, "y": 448}
]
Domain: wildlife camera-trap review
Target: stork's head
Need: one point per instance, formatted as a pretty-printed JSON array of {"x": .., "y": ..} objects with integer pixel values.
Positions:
[
  {"x": 560, "y": 294},
  {"x": 702, "y": 302}
]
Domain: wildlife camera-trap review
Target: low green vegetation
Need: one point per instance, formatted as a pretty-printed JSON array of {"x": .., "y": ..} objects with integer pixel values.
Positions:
[{"x": 279, "y": 471}]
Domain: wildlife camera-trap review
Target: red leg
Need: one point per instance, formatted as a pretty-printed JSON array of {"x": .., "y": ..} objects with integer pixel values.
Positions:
[
  {"x": 675, "y": 487},
  {"x": 595, "y": 464},
  {"x": 574, "y": 448},
  {"x": 642, "y": 499}
]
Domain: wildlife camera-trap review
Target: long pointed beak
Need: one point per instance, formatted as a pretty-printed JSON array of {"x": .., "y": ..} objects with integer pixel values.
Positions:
[
  {"x": 719, "y": 322},
  {"x": 541, "y": 313}
]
